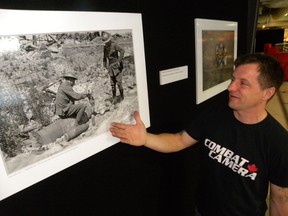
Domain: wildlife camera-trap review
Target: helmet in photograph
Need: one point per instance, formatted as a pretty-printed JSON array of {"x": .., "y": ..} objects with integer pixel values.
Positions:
[
  {"x": 106, "y": 37},
  {"x": 69, "y": 75}
]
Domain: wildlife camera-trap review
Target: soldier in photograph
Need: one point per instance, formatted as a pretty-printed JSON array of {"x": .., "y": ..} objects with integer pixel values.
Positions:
[
  {"x": 113, "y": 56},
  {"x": 66, "y": 97}
]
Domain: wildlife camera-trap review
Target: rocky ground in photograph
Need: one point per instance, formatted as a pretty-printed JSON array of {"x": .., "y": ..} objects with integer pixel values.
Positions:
[{"x": 29, "y": 79}]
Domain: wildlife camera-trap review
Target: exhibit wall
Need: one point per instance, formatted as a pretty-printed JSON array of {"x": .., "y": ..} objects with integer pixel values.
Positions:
[{"x": 125, "y": 180}]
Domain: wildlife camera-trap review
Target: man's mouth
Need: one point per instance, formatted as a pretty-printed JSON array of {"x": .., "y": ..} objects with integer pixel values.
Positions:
[{"x": 231, "y": 96}]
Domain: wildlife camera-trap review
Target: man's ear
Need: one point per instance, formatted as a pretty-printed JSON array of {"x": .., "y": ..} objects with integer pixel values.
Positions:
[{"x": 268, "y": 93}]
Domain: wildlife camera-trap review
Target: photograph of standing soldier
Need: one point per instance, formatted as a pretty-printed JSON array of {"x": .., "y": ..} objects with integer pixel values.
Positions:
[
  {"x": 112, "y": 59},
  {"x": 66, "y": 97}
]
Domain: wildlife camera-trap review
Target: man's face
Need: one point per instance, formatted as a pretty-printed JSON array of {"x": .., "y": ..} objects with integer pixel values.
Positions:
[
  {"x": 71, "y": 81},
  {"x": 245, "y": 92}
]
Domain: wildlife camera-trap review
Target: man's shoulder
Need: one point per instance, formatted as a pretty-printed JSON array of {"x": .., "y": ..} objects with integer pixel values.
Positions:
[
  {"x": 64, "y": 86},
  {"x": 115, "y": 44},
  {"x": 276, "y": 126}
]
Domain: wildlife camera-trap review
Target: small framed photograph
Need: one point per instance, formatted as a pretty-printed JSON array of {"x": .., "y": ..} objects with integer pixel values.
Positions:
[
  {"x": 216, "y": 50},
  {"x": 41, "y": 50}
]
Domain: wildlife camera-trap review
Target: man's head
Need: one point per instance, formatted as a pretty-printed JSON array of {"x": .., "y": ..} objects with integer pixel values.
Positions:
[
  {"x": 271, "y": 73},
  {"x": 71, "y": 77},
  {"x": 255, "y": 80},
  {"x": 106, "y": 37}
]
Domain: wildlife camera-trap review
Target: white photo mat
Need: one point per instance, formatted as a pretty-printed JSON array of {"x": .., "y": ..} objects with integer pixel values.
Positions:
[
  {"x": 21, "y": 22},
  {"x": 212, "y": 74}
]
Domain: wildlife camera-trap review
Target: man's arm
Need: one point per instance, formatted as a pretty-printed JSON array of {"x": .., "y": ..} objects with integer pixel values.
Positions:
[
  {"x": 72, "y": 94},
  {"x": 137, "y": 135},
  {"x": 168, "y": 142},
  {"x": 121, "y": 50},
  {"x": 278, "y": 200}
]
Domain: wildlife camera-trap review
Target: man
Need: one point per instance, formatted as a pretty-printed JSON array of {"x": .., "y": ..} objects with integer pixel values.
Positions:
[
  {"x": 245, "y": 148},
  {"x": 66, "y": 97},
  {"x": 113, "y": 55}
]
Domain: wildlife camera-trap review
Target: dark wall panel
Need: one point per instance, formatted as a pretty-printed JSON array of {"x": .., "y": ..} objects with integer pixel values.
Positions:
[{"x": 125, "y": 180}]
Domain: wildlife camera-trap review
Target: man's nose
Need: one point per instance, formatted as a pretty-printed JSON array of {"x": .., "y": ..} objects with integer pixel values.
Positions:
[{"x": 232, "y": 86}]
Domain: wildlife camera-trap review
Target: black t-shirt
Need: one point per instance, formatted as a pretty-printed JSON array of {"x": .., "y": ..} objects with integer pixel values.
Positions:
[{"x": 239, "y": 161}]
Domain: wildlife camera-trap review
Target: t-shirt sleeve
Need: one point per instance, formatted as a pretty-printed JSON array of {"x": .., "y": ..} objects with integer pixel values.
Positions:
[
  {"x": 199, "y": 125},
  {"x": 195, "y": 129}
]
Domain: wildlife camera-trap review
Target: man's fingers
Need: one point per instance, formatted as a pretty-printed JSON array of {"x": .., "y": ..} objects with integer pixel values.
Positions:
[
  {"x": 118, "y": 133},
  {"x": 124, "y": 141},
  {"x": 133, "y": 134},
  {"x": 119, "y": 125},
  {"x": 137, "y": 117}
]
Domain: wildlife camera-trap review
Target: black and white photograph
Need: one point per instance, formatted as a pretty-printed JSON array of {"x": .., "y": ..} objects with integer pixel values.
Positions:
[{"x": 61, "y": 90}]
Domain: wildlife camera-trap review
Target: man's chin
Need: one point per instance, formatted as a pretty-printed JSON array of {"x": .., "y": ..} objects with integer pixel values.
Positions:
[{"x": 231, "y": 104}]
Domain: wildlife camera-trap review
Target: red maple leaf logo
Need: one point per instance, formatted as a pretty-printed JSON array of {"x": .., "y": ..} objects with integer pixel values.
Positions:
[{"x": 252, "y": 168}]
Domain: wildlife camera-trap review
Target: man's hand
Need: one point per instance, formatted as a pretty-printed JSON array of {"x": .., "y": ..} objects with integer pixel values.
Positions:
[
  {"x": 121, "y": 66},
  {"x": 135, "y": 135},
  {"x": 89, "y": 96}
]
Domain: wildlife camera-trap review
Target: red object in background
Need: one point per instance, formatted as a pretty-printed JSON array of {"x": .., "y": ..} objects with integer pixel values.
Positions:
[
  {"x": 272, "y": 51},
  {"x": 281, "y": 56},
  {"x": 267, "y": 47}
]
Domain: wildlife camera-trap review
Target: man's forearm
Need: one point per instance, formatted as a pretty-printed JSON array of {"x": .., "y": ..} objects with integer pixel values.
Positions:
[
  {"x": 165, "y": 142},
  {"x": 278, "y": 201}
]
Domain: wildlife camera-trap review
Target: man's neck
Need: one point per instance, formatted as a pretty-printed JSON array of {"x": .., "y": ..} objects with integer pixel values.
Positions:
[{"x": 250, "y": 117}]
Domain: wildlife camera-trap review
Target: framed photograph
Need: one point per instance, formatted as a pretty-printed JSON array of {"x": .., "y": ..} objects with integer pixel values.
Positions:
[
  {"x": 99, "y": 55},
  {"x": 216, "y": 50}
]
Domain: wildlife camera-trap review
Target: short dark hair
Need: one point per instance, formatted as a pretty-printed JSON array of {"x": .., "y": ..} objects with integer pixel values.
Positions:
[{"x": 271, "y": 72}]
